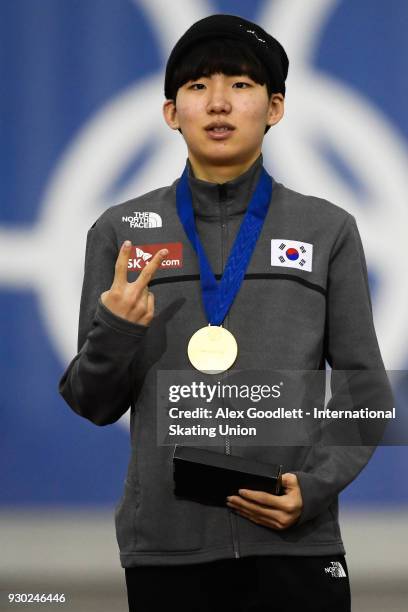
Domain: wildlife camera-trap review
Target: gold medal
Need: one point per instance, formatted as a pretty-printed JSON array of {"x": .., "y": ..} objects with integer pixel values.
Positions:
[{"x": 212, "y": 349}]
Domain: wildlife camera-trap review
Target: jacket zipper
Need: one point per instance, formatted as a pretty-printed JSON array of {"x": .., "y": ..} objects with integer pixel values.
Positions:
[{"x": 222, "y": 194}]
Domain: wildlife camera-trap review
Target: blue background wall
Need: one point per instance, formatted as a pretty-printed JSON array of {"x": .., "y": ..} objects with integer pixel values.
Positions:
[{"x": 61, "y": 62}]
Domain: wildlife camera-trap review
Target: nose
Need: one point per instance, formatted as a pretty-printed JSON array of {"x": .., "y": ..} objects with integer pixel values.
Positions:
[{"x": 218, "y": 99}]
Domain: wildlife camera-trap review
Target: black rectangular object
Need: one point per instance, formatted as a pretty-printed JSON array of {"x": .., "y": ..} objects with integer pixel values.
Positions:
[{"x": 209, "y": 477}]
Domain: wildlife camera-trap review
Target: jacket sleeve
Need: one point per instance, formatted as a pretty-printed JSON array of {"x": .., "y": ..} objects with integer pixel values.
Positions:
[
  {"x": 351, "y": 346},
  {"x": 97, "y": 382}
]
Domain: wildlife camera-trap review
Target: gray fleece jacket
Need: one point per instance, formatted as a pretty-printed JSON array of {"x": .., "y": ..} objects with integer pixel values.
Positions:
[{"x": 316, "y": 314}]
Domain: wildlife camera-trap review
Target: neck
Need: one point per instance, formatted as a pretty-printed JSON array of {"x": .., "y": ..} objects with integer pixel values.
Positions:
[{"x": 220, "y": 174}]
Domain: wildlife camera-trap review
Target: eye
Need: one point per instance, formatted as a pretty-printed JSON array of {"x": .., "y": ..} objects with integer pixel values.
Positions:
[
  {"x": 196, "y": 85},
  {"x": 242, "y": 83}
]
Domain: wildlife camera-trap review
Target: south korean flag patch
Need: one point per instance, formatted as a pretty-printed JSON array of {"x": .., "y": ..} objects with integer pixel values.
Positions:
[{"x": 292, "y": 254}]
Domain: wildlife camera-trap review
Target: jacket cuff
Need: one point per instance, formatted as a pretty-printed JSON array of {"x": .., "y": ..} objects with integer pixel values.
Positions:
[
  {"x": 311, "y": 496},
  {"x": 119, "y": 324}
]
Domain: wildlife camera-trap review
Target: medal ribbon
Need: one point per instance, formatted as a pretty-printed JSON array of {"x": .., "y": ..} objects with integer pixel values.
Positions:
[{"x": 218, "y": 297}]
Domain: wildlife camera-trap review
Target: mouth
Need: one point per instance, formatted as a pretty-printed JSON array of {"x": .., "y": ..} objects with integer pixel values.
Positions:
[
  {"x": 219, "y": 131},
  {"x": 219, "y": 126}
]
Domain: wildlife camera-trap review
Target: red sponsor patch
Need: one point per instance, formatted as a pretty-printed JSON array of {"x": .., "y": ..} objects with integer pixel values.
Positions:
[{"x": 140, "y": 255}]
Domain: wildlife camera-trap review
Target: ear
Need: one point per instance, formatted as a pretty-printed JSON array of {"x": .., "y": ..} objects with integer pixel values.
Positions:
[
  {"x": 170, "y": 114},
  {"x": 276, "y": 109}
]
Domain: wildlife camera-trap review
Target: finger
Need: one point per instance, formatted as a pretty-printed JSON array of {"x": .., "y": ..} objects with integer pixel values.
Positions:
[
  {"x": 245, "y": 506},
  {"x": 279, "y": 502},
  {"x": 266, "y": 522},
  {"x": 248, "y": 515},
  {"x": 150, "y": 303},
  {"x": 150, "y": 269},
  {"x": 121, "y": 265},
  {"x": 143, "y": 298},
  {"x": 149, "y": 309},
  {"x": 264, "y": 510},
  {"x": 289, "y": 481},
  {"x": 273, "y": 517}
]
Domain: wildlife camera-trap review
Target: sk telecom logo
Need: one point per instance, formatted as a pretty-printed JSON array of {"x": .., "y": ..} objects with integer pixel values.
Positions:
[{"x": 140, "y": 255}]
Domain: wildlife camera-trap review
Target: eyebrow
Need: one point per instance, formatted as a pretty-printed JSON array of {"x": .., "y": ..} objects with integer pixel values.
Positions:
[{"x": 229, "y": 76}]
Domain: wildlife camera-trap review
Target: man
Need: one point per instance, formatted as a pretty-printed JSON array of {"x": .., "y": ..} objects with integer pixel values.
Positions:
[{"x": 290, "y": 310}]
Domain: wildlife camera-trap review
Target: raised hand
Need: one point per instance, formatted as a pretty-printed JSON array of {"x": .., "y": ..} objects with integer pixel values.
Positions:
[{"x": 132, "y": 301}]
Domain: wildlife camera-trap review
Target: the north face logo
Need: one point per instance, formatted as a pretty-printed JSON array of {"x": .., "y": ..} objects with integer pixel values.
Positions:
[
  {"x": 143, "y": 219},
  {"x": 335, "y": 569}
]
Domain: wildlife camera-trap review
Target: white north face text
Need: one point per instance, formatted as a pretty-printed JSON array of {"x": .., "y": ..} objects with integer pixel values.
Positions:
[
  {"x": 336, "y": 570},
  {"x": 143, "y": 220}
]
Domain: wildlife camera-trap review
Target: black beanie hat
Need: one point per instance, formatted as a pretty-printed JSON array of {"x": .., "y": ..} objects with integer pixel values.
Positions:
[{"x": 268, "y": 49}]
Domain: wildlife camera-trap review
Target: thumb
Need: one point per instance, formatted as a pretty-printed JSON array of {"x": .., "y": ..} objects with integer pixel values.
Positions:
[{"x": 289, "y": 481}]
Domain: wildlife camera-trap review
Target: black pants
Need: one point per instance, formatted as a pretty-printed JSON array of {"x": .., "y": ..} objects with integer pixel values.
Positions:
[{"x": 248, "y": 584}]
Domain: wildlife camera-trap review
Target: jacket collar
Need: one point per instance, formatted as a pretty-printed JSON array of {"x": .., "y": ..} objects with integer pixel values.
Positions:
[{"x": 236, "y": 193}]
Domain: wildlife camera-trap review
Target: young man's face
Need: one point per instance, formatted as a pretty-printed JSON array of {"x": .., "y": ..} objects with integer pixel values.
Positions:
[{"x": 237, "y": 101}]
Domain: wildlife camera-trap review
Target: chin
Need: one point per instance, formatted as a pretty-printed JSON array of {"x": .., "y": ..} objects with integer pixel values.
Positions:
[
  {"x": 222, "y": 157},
  {"x": 228, "y": 154},
  {"x": 219, "y": 149}
]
